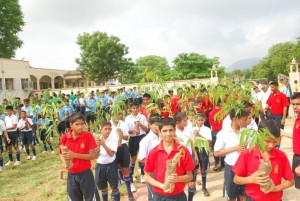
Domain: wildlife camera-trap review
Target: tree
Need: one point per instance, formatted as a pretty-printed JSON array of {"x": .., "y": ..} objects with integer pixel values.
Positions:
[
  {"x": 11, "y": 23},
  {"x": 101, "y": 57},
  {"x": 277, "y": 61},
  {"x": 193, "y": 65}
]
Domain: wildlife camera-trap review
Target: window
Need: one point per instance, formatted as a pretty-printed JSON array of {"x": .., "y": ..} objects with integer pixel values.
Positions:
[
  {"x": 25, "y": 83},
  {"x": 9, "y": 83}
]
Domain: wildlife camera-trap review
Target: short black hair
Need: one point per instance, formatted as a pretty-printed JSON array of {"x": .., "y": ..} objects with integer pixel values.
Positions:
[
  {"x": 105, "y": 123},
  {"x": 76, "y": 116},
  {"x": 200, "y": 115},
  {"x": 134, "y": 103},
  {"x": 26, "y": 100},
  {"x": 296, "y": 95},
  {"x": 9, "y": 107},
  {"x": 239, "y": 114},
  {"x": 166, "y": 122},
  {"x": 274, "y": 83},
  {"x": 178, "y": 116},
  {"x": 154, "y": 118},
  {"x": 271, "y": 125},
  {"x": 146, "y": 95}
]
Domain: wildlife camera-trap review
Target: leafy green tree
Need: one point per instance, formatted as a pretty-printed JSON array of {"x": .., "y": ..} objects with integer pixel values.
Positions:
[
  {"x": 193, "y": 65},
  {"x": 102, "y": 57},
  {"x": 11, "y": 23},
  {"x": 127, "y": 70},
  {"x": 277, "y": 61}
]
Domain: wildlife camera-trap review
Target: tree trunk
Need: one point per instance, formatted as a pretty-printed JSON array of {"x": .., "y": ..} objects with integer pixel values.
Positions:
[
  {"x": 265, "y": 167},
  {"x": 170, "y": 169}
]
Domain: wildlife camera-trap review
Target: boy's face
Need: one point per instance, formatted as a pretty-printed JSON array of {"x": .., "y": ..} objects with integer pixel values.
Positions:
[
  {"x": 105, "y": 130},
  {"x": 145, "y": 100},
  {"x": 200, "y": 121},
  {"x": 249, "y": 119},
  {"x": 134, "y": 109},
  {"x": 296, "y": 105},
  {"x": 183, "y": 123},
  {"x": 167, "y": 133},
  {"x": 23, "y": 115},
  {"x": 9, "y": 112},
  {"x": 242, "y": 122},
  {"x": 77, "y": 126},
  {"x": 154, "y": 127},
  {"x": 270, "y": 143}
]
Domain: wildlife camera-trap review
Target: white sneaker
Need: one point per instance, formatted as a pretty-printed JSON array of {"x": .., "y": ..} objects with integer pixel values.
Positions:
[
  {"x": 33, "y": 158},
  {"x": 17, "y": 163},
  {"x": 9, "y": 163},
  {"x": 28, "y": 158},
  {"x": 52, "y": 152},
  {"x": 44, "y": 152},
  {"x": 142, "y": 179},
  {"x": 1, "y": 168},
  {"x": 133, "y": 189}
]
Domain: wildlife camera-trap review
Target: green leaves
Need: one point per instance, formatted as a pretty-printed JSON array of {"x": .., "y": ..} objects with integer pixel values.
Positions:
[
  {"x": 101, "y": 57},
  {"x": 253, "y": 137},
  {"x": 11, "y": 23}
]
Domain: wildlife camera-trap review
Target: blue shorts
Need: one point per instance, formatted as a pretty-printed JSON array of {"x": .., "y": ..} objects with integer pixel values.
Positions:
[
  {"x": 27, "y": 137},
  {"x": 232, "y": 190},
  {"x": 106, "y": 173},
  {"x": 13, "y": 136}
]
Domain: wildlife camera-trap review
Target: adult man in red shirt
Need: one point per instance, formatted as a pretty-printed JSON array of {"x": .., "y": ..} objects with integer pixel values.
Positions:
[
  {"x": 278, "y": 104},
  {"x": 82, "y": 149},
  {"x": 156, "y": 164}
]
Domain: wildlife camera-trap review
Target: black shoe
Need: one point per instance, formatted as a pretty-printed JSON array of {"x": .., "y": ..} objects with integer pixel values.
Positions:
[
  {"x": 130, "y": 197},
  {"x": 205, "y": 192}
]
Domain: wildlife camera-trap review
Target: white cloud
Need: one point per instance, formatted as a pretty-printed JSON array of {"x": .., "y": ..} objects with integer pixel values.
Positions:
[{"x": 231, "y": 29}]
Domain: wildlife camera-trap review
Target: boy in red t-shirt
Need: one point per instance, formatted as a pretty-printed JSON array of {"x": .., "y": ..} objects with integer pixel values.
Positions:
[
  {"x": 82, "y": 149},
  {"x": 246, "y": 168},
  {"x": 156, "y": 165}
]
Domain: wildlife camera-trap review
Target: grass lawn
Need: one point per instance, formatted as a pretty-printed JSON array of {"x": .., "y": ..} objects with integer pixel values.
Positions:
[{"x": 36, "y": 180}]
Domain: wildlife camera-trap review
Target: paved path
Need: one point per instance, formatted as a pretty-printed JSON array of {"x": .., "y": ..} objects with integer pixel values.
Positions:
[{"x": 215, "y": 179}]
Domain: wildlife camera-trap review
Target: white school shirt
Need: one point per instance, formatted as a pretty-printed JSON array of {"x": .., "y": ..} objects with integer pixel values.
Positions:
[
  {"x": 185, "y": 135},
  {"x": 226, "y": 139},
  {"x": 130, "y": 119},
  {"x": 264, "y": 97},
  {"x": 2, "y": 127},
  {"x": 123, "y": 126},
  {"x": 10, "y": 121},
  {"x": 21, "y": 124},
  {"x": 204, "y": 132},
  {"x": 150, "y": 141},
  {"x": 104, "y": 157}
]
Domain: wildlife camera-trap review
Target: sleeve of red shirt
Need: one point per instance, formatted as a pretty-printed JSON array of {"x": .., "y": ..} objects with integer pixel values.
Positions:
[
  {"x": 285, "y": 101},
  {"x": 149, "y": 165},
  {"x": 287, "y": 170},
  {"x": 240, "y": 166},
  {"x": 62, "y": 142},
  {"x": 92, "y": 142}
]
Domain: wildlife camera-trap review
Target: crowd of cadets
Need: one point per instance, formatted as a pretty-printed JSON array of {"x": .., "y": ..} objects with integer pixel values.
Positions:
[{"x": 149, "y": 138}]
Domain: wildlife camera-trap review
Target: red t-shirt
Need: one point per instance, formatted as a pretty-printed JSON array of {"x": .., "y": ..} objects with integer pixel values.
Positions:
[
  {"x": 248, "y": 163},
  {"x": 296, "y": 136},
  {"x": 144, "y": 111},
  {"x": 277, "y": 102},
  {"x": 207, "y": 105},
  {"x": 215, "y": 124},
  {"x": 156, "y": 163},
  {"x": 81, "y": 145},
  {"x": 174, "y": 104}
]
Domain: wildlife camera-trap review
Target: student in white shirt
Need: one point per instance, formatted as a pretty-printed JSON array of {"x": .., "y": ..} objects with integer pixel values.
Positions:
[
  {"x": 185, "y": 134},
  {"x": 202, "y": 131},
  {"x": 120, "y": 134},
  {"x": 2, "y": 131},
  {"x": 25, "y": 126},
  {"x": 106, "y": 170},
  {"x": 11, "y": 122},
  {"x": 227, "y": 144},
  {"x": 151, "y": 140},
  {"x": 138, "y": 126}
]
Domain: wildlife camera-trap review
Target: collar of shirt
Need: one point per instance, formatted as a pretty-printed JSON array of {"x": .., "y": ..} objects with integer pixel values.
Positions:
[
  {"x": 258, "y": 154},
  {"x": 69, "y": 134},
  {"x": 175, "y": 146}
]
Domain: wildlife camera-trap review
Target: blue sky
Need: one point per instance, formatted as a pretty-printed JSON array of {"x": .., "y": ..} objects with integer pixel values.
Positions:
[{"x": 231, "y": 29}]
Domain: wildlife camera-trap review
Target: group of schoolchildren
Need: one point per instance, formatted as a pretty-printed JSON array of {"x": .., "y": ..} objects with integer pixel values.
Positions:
[{"x": 152, "y": 138}]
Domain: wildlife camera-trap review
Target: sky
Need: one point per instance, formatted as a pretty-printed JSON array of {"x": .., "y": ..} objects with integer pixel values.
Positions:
[{"x": 230, "y": 29}]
